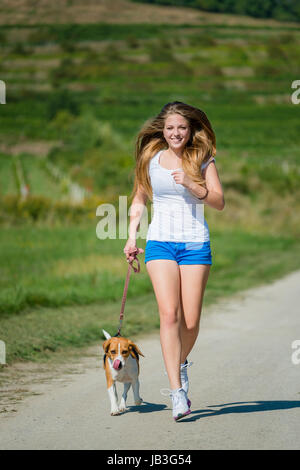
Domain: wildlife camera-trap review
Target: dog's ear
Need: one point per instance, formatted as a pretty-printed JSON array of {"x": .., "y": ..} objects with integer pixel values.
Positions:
[
  {"x": 107, "y": 335},
  {"x": 106, "y": 345},
  {"x": 134, "y": 350}
]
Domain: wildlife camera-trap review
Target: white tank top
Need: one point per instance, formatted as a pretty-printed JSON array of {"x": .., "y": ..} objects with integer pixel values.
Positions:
[{"x": 178, "y": 215}]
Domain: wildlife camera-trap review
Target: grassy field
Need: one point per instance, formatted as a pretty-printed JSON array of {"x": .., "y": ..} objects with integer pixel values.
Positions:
[
  {"x": 70, "y": 266},
  {"x": 68, "y": 285},
  {"x": 77, "y": 94}
]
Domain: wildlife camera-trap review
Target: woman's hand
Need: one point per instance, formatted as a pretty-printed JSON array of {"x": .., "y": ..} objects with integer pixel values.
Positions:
[
  {"x": 181, "y": 178},
  {"x": 130, "y": 248}
]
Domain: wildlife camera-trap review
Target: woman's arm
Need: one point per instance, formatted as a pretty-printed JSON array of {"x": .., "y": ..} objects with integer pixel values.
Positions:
[
  {"x": 215, "y": 196},
  {"x": 136, "y": 211}
]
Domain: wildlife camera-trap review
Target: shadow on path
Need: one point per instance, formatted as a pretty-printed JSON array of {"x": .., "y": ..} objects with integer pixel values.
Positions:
[
  {"x": 242, "y": 407},
  {"x": 147, "y": 407}
]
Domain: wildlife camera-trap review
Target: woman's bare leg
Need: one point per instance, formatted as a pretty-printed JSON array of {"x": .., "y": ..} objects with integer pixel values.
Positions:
[
  {"x": 165, "y": 278},
  {"x": 193, "y": 279}
]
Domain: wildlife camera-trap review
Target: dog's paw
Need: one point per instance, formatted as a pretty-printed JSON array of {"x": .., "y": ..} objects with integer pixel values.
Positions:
[
  {"x": 139, "y": 401},
  {"x": 115, "y": 412},
  {"x": 122, "y": 405}
]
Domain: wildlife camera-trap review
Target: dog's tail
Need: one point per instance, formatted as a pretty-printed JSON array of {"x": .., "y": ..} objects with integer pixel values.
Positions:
[{"x": 107, "y": 335}]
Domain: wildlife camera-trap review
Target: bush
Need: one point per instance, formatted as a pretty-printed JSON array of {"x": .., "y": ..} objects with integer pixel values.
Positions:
[
  {"x": 42, "y": 35},
  {"x": 202, "y": 39},
  {"x": 33, "y": 209},
  {"x": 66, "y": 71},
  {"x": 111, "y": 54},
  {"x": 20, "y": 49},
  {"x": 267, "y": 71},
  {"x": 3, "y": 39},
  {"x": 92, "y": 152},
  {"x": 160, "y": 51},
  {"x": 61, "y": 99},
  {"x": 132, "y": 42},
  {"x": 67, "y": 45}
]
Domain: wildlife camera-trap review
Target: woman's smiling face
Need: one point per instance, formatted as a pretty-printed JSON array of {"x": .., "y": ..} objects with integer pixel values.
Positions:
[{"x": 176, "y": 131}]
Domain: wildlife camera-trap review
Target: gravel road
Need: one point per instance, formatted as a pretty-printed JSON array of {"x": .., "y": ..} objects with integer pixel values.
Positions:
[{"x": 245, "y": 388}]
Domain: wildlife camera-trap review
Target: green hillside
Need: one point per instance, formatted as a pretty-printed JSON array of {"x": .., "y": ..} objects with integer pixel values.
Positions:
[
  {"x": 87, "y": 89},
  {"x": 77, "y": 95}
]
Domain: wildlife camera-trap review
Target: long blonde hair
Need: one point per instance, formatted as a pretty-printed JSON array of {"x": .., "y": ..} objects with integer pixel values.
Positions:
[{"x": 199, "y": 149}]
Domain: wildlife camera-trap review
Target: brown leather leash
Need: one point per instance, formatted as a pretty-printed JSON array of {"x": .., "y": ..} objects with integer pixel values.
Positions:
[{"x": 136, "y": 270}]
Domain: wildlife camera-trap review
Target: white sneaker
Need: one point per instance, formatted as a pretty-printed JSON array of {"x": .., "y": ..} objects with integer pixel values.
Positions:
[
  {"x": 179, "y": 400},
  {"x": 184, "y": 378},
  {"x": 180, "y": 405}
]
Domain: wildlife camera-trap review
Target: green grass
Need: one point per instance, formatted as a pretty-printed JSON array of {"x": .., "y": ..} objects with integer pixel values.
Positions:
[
  {"x": 37, "y": 334},
  {"x": 46, "y": 311},
  {"x": 7, "y": 181},
  {"x": 38, "y": 179},
  {"x": 42, "y": 267}
]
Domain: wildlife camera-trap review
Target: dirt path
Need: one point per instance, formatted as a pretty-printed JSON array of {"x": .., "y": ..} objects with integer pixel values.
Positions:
[{"x": 245, "y": 389}]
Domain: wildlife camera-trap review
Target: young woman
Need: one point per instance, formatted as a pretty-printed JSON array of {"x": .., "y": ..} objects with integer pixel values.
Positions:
[{"x": 175, "y": 167}]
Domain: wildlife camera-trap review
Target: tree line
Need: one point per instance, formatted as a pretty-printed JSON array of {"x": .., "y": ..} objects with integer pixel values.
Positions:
[{"x": 282, "y": 10}]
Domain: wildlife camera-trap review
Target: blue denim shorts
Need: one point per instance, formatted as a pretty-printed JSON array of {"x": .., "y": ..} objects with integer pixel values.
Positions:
[{"x": 181, "y": 252}]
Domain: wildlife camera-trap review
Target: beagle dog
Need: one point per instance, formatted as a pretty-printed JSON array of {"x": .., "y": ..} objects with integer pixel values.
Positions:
[{"x": 121, "y": 363}]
